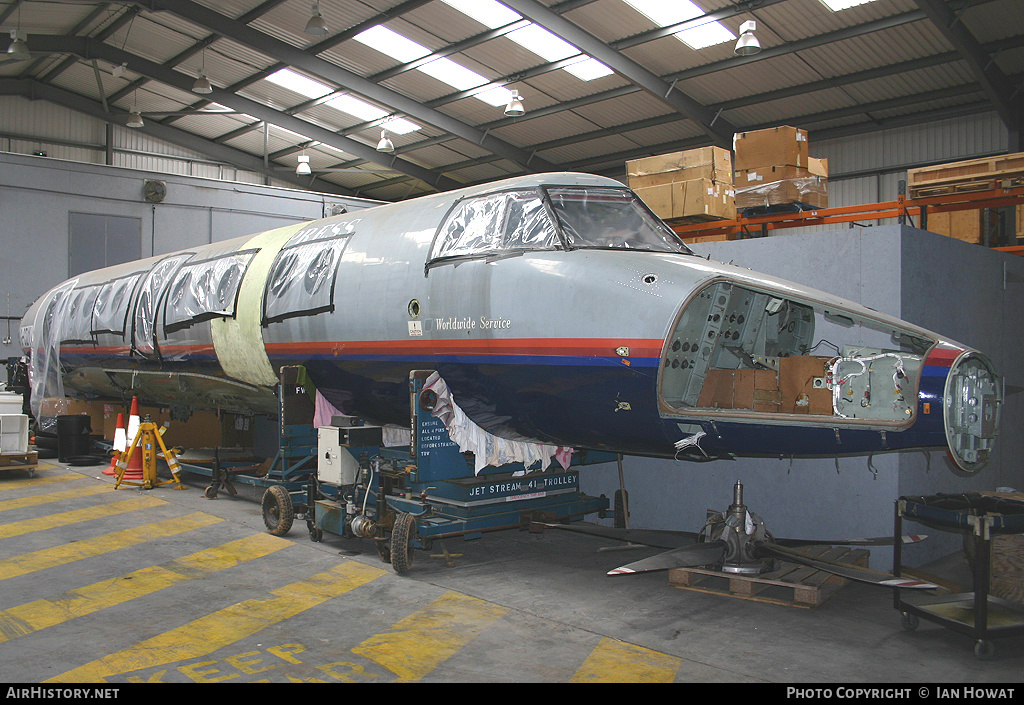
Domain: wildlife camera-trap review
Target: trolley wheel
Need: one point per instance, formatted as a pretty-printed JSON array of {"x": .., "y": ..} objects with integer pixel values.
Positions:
[
  {"x": 909, "y": 621},
  {"x": 402, "y": 536},
  {"x": 210, "y": 492},
  {"x": 383, "y": 549},
  {"x": 621, "y": 506},
  {"x": 315, "y": 532},
  {"x": 984, "y": 650},
  {"x": 278, "y": 511}
]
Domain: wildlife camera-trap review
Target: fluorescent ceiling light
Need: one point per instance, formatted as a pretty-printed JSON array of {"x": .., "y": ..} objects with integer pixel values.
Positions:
[
  {"x": 365, "y": 111},
  {"x": 836, "y": 5},
  {"x": 668, "y": 13},
  {"x": 296, "y": 82}
]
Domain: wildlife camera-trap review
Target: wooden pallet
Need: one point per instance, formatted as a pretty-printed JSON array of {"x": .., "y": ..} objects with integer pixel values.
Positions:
[
  {"x": 788, "y": 584},
  {"x": 10, "y": 461},
  {"x": 1004, "y": 171}
]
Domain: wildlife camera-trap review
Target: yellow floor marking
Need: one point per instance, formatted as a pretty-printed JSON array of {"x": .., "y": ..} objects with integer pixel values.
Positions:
[
  {"x": 618, "y": 662},
  {"x": 416, "y": 645},
  {"x": 12, "y": 484},
  {"x": 224, "y": 627},
  {"x": 53, "y": 497},
  {"x": 27, "y": 526},
  {"x": 98, "y": 545},
  {"x": 40, "y": 614}
]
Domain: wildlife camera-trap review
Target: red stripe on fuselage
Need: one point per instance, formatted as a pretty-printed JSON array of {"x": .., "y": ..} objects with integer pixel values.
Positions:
[
  {"x": 556, "y": 347},
  {"x": 942, "y": 357}
]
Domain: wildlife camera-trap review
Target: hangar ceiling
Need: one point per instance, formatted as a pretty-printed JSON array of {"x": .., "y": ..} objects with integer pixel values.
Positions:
[{"x": 602, "y": 81}]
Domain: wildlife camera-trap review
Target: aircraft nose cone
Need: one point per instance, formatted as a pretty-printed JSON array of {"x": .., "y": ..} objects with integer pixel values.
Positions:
[{"x": 972, "y": 405}]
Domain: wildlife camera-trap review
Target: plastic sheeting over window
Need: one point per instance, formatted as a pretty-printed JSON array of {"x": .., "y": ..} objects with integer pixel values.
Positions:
[
  {"x": 47, "y": 331},
  {"x": 610, "y": 218},
  {"x": 204, "y": 290},
  {"x": 302, "y": 280},
  {"x": 113, "y": 301},
  {"x": 499, "y": 222},
  {"x": 150, "y": 295},
  {"x": 77, "y": 327}
]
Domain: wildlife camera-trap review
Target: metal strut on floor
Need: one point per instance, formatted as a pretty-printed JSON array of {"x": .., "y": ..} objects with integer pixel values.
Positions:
[{"x": 148, "y": 438}]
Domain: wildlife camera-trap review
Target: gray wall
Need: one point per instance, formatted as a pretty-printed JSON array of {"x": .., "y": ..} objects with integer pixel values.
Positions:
[
  {"x": 38, "y": 193},
  {"x": 940, "y": 283}
]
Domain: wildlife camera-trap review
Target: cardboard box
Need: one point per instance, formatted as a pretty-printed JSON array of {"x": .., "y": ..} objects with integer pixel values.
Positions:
[
  {"x": 796, "y": 383},
  {"x": 741, "y": 389},
  {"x": 702, "y": 197},
  {"x": 766, "y": 174},
  {"x": 713, "y": 163},
  {"x": 693, "y": 198},
  {"x": 779, "y": 146},
  {"x": 811, "y": 191}
]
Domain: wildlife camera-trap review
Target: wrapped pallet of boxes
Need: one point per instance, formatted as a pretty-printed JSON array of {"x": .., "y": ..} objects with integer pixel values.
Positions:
[
  {"x": 773, "y": 168},
  {"x": 690, "y": 186}
]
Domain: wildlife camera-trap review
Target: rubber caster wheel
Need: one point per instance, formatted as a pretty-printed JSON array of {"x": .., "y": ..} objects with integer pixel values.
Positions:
[
  {"x": 908, "y": 621},
  {"x": 621, "y": 509},
  {"x": 402, "y": 536},
  {"x": 383, "y": 549},
  {"x": 316, "y": 534},
  {"x": 210, "y": 493},
  {"x": 984, "y": 650},
  {"x": 278, "y": 511}
]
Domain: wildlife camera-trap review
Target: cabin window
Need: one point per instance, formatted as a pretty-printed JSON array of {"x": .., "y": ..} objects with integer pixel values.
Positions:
[
  {"x": 113, "y": 301},
  {"x": 204, "y": 290},
  {"x": 745, "y": 352},
  {"x": 151, "y": 293},
  {"x": 609, "y": 218},
  {"x": 499, "y": 222},
  {"x": 302, "y": 278}
]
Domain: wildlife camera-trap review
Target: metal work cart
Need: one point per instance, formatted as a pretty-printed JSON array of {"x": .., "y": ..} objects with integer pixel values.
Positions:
[
  {"x": 977, "y": 614},
  {"x": 406, "y": 497}
]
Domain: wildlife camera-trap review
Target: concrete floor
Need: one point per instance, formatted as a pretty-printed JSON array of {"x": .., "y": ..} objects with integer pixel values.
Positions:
[{"x": 167, "y": 586}]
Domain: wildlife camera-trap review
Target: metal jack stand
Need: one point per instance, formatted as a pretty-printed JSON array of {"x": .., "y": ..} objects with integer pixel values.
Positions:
[{"x": 148, "y": 438}]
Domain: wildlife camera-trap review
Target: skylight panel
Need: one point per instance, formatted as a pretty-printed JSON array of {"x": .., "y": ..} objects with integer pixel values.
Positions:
[
  {"x": 837, "y": 5},
  {"x": 499, "y": 96},
  {"x": 300, "y": 84},
  {"x": 542, "y": 43},
  {"x": 668, "y": 13},
  {"x": 392, "y": 43},
  {"x": 489, "y": 13},
  {"x": 366, "y": 111},
  {"x": 589, "y": 69},
  {"x": 447, "y": 71}
]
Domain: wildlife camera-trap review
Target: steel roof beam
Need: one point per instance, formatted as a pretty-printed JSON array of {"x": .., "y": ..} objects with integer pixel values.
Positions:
[
  {"x": 993, "y": 81},
  {"x": 326, "y": 70},
  {"x": 34, "y": 90},
  {"x": 718, "y": 129},
  {"x": 90, "y": 48}
]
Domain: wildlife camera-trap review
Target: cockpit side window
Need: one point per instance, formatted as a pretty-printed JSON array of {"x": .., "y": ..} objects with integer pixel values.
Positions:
[
  {"x": 510, "y": 221},
  {"x": 609, "y": 218}
]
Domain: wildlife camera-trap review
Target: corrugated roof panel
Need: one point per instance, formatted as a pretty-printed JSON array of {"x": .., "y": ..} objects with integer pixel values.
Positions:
[
  {"x": 444, "y": 21},
  {"x": 210, "y": 126},
  {"x": 624, "y": 109},
  {"x": 770, "y": 74},
  {"x": 655, "y": 135},
  {"x": 609, "y": 144},
  {"x": 563, "y": 86},
  {"x": 991, "y": 21},
  {"x": 150, "y": 40},
  {"x": 1011, "y": 61},
  {"x": 229, "y": 52},
  {"x": 492, "y": 171},
  {"x": 544, "y": 129},
  {"x": 877, "y": 49},
  {"x": 47, "y": 18},
  {"x": 252, "y": 142},
  {"x": 912, "y": 82},
  {"x": 797, "y": 19}
]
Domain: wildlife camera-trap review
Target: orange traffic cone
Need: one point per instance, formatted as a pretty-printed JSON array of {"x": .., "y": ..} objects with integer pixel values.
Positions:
[
  {"x": 120, "y": 445},
  {"x": 134, "y": 470}
]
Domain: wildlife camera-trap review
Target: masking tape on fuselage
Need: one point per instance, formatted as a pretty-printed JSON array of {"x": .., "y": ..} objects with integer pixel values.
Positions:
[{"x": 238, "y": 341}]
